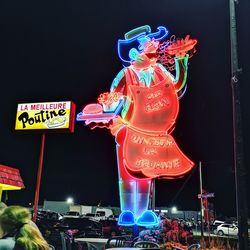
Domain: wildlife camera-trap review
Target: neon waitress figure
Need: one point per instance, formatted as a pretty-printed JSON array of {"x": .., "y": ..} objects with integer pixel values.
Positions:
[{"x": 148, "y": 94}]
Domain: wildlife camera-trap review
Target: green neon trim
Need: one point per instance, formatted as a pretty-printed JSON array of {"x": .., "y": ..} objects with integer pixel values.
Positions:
[
  {"x": 137, "y": 31},
  {"x": 126, "y": 107},
  {"x": 184, "y": 66}
]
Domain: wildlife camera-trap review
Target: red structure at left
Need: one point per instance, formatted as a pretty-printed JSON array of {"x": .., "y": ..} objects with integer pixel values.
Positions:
[{"x": 10, "y": 179}]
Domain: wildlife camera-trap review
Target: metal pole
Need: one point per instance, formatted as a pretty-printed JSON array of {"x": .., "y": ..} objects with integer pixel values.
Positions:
[
  {"x": 208, "y": 220},
  {"x": 240, "y": 170},
  {"x": 201, "y": 200},
  {"x": 153, "y": 195},
  {"x": 39, "y": 174}
]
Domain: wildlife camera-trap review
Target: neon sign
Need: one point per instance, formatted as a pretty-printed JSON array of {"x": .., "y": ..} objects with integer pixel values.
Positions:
[
  {"x": 45, "y": 116},
  {"x": 141, "y": 110}
]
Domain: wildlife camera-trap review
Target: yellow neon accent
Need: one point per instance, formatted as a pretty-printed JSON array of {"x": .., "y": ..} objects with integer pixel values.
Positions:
[{"x": 8, "y": 187}]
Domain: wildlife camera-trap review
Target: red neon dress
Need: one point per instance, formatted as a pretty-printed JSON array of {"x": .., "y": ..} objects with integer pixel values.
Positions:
[
  {"x": 145, "y": 149},
  {"x": 145, "y": 145}
]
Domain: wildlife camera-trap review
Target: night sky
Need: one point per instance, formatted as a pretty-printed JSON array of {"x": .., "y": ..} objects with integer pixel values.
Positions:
[{"x": 66, "y": 50}]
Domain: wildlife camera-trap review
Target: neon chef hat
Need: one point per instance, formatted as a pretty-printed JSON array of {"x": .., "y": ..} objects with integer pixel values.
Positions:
[{"x": 134, "y": 39}]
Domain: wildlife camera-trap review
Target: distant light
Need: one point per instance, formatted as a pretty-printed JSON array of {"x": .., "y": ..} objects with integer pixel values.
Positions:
[
  {"x": 70, "y": 200},
  {"x": 164, "y": 211},
  {"x": 174, "y": 209}
]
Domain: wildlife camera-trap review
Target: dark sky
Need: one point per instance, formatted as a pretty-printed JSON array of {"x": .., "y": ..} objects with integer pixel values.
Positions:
[{"x": 66, "y": 50}]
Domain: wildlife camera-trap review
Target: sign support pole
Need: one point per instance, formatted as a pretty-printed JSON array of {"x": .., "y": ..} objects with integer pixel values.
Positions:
[
  {"x": 239, "y": 165},
  {"x": 39, "y": 174},
  {"x": 208, "y": 219},
  {"x": 201, "y": 201}
]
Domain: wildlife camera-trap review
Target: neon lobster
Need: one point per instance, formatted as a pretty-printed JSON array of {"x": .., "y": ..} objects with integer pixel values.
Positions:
[{"x": 140, "y": 110}]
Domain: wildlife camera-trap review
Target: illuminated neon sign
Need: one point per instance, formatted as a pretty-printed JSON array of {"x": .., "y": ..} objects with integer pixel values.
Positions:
[
  {"x": 45, "y": 116},
  {"x": 141, "y": 110},
  {"x": 135, "y": 37}
]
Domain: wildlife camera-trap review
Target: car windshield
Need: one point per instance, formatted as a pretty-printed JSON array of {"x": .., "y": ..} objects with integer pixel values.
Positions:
[
  {"x": 101, "y": 213},
  {"x": 72, "y": 213}
]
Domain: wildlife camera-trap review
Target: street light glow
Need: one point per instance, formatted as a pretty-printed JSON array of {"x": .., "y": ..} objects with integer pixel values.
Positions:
[
  {"x": 174, "y": 209},
  {"x": 70, "y": 200}
]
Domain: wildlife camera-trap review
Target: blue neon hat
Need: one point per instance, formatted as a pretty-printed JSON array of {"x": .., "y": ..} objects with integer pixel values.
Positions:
[{"x": 136, "y": 38}]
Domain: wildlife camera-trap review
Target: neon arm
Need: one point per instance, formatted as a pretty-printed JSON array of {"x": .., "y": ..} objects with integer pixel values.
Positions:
[
  {"x": 118, "y": 83},
  {"x": 181, "y": 72}
]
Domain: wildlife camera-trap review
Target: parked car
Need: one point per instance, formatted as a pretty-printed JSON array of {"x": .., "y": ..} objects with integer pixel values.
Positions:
[
  {"x": 110, "y": 228},
  {"x": 82, "y": 227},
  {"x": 72, "y": 214},
  {"x": 215, "y": 224},
  {"x": 227, "y": 229},
  {"x": 190, "y": 223},
  {"x": 105, "y": 212},
  {"x": 47, "y": 219},
  {"x": 94, "y": 216}
]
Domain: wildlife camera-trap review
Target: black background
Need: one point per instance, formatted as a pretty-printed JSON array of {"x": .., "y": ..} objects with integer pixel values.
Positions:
[{"x": 66, "y": 50}]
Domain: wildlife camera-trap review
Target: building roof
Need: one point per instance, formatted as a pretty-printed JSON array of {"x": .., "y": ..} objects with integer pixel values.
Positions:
[{"x": 10, "y": 178}]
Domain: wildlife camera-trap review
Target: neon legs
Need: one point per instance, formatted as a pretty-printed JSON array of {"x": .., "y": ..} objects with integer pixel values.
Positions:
[{"x": 134, "y": 193}]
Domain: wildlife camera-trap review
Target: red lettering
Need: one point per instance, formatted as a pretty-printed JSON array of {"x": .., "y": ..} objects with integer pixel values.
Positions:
[{"x": 33, "y": 107}]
